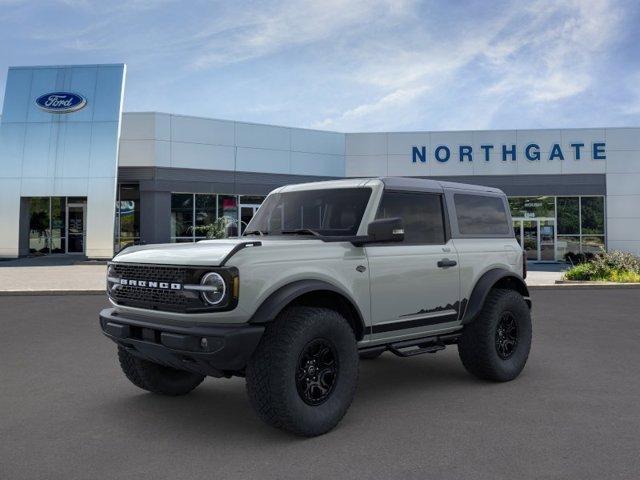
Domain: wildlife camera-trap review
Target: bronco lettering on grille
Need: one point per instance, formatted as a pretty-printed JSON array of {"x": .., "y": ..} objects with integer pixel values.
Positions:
[{"x": 150, "y": 284}]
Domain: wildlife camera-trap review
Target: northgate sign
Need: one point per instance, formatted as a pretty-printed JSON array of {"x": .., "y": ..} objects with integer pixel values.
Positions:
[{"x": 532, "y": 152}]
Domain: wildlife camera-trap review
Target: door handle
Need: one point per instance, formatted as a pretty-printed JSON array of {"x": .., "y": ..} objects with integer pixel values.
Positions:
[{"x": 446, "y": 263}]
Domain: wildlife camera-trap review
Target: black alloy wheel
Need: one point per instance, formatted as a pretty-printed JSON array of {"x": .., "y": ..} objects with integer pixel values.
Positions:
[
  {"x": 317, "y": 372},
  {"x": 506, "y": 335}
]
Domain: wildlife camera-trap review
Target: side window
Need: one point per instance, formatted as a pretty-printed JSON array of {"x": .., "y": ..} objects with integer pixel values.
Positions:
[
  {"x": 421, "y": 215},
  {"x": 481, "y": 215}
]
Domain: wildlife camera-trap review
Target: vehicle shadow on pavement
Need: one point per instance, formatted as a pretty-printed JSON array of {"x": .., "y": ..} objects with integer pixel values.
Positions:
[
  {"x": 219, "y": 409},
  {"x": 390, "y": 376}
]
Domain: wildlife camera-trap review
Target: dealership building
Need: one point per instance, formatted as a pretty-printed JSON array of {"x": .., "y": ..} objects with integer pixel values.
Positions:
[{"x": 79, "y": 176}]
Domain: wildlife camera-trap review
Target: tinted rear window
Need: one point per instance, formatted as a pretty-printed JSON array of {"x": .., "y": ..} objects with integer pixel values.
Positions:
[{"x": 481, "y": 215}]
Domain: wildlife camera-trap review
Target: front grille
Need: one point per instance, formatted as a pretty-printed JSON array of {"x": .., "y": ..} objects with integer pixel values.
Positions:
[
  {"x": 156, "y": 298},
  {"x": 160, "y": 273},
  {"x": 150, "y": 298}
]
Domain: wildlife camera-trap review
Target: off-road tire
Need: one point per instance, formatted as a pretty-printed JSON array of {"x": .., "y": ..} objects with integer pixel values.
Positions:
[
  {"x": 371, "y": 355},
  {"x": 273, "y": 368},
  {"x": 478, "y": 348},
  {"x": 157, "y": 378}
]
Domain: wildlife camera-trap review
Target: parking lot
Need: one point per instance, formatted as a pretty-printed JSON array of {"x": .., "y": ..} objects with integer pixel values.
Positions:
[{"x": 68, "y": 412}]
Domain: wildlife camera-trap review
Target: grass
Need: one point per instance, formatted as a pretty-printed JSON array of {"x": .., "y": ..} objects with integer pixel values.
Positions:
[{"x": 586, "y": 271}]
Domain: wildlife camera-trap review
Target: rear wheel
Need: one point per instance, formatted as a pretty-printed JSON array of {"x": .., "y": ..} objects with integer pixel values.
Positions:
[
  {"x": 495, "y": 346},
  {"x": 157, "y": 378},
  {"x": 303, "y": 375}
]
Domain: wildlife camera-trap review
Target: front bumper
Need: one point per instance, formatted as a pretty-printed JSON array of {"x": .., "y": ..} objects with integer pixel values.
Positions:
[{"x": 214, "y": 350}]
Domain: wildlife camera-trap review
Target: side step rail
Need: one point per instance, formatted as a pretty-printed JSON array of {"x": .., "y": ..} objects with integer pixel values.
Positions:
[{"x": 417, "y": 346}]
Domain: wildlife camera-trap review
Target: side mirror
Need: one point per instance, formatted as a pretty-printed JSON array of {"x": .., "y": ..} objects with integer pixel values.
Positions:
[{"x": 385, "y": 230}]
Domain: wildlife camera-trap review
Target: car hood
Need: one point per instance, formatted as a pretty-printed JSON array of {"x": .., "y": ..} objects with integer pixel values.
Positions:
[{"x": 205, "y": 252}]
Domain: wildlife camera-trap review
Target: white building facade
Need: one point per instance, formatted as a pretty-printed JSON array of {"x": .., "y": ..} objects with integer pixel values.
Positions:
[{"x": 90, "y": 179}]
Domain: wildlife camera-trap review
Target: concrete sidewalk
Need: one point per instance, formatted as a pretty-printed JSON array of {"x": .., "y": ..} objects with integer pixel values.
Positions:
[
  {"x": 543, "y": 274},
  {"x": 46, "y": 275}
]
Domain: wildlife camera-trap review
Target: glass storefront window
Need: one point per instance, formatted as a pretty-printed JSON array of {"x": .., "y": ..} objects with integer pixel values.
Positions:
[
  {"x": 251, "y": 200},
  {"x": 249, "y": 205},
  {"x": 592, "y": 215},
  {"x": 189, "y": 211},
  {"x": 49, "y": 226},
  {"x": 58, "y": 224},
  {"x": 205, "y": 212},
  {"x": 567, "y": 244},
  {"x": 592, "y": 244},
  {"x": 228, "y": 207},
  {"x": 579, "y": 222},
  {"x": 532, "y": 207},
  {"x": 127, "y": 229},
  {"x": 568, "y": 216},
  {"x": 39, "y": 223},
  {"x": 182, "y": 215}
]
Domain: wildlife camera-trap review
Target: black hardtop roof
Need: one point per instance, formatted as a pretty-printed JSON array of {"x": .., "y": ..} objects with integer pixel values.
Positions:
[{"x": 428, "y": 184}]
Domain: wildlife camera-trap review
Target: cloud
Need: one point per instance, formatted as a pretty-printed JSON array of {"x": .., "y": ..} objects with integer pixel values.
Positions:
[
  {"x": 541, "y": 53},
  {"x": 347, "y": 65},
  {"x": 551, "y": 58},
  {"x": 255, "y": 33},
  {"x": 386, "y": 105}
]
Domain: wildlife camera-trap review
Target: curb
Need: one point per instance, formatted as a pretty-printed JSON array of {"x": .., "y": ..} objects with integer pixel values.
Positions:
[
  {"x": 585, "y": 286},
  {"x": 19, "y": 293}
]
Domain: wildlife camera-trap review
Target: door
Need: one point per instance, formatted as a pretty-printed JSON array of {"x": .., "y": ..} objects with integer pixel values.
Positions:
[
  {"x": 530, "y": 239},
  {"x": 246, "y": 214},
  {"x": 75, "y": 227},
  {"x": 414, "y": 284},
  {"x": 546, "y": 229},
  {"x": 537, "y": 237}
]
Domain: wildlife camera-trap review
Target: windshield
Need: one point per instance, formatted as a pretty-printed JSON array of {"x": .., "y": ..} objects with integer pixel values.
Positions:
[{"x": 327, "y": 212}]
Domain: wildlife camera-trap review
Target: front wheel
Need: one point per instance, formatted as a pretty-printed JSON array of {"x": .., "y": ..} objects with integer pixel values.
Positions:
[
  {"x": 495, "y": 346},
  {"x": 303, "y": 375}
]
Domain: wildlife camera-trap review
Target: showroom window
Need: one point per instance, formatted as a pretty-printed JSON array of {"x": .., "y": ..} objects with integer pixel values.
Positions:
[
  {"x": 580, "y": 225},
  {"x": 191, "y": 213},
  {"x": 127, "y": 228},
  {"x": 579, "y": 222},
  {"x": 182, "y": 215},
  {"x": 568, "y": 216},
  {"x": 57, "y": 225},
  {"x": 532, "y": 207}
]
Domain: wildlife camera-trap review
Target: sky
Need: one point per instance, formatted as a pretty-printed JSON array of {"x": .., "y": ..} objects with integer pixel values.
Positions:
[{"x": 350, "y": 65}]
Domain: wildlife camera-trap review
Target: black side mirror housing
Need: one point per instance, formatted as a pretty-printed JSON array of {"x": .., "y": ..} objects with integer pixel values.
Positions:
[{"x": 385, "y": 230}]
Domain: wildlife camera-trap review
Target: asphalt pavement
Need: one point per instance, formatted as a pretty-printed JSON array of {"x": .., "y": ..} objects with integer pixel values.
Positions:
[{"x": 67, "y": 412}]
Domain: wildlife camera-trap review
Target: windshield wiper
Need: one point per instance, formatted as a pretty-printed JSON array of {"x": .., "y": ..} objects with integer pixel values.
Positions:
[
  {"x": 301, "y": 231},
  {"x": 255, "y": 232}
]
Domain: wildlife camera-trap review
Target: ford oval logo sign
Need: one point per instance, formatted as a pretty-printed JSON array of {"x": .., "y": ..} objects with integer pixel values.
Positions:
[{"x": 61, "y": 102}]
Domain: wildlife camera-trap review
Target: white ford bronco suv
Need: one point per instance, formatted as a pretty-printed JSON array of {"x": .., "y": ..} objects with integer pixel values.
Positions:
[{"x": 326, "y": 274}]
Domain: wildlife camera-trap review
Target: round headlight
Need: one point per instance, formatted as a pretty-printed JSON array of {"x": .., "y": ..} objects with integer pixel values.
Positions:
[{"x": 215, "y": 288}]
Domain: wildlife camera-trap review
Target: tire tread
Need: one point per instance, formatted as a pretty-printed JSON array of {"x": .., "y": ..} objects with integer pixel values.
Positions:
[
  {"x": 268, "y": 391},
  {"x": 477, "y": 345}
]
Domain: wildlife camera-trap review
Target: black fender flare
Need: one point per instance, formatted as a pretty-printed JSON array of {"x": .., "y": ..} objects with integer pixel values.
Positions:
[
  {"x": 497, "y": 277},
  {"x": 278, "y": 300}
]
